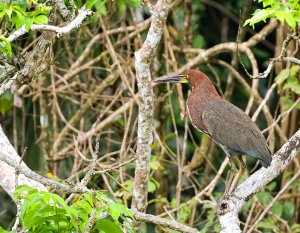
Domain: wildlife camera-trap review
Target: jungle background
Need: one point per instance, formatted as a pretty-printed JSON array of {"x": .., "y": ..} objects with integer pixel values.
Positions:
[{"x": 85, "y": 93}]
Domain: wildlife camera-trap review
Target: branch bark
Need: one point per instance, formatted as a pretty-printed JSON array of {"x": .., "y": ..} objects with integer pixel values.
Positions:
[
  {"x": 163, "y": 222},
  {"x": 8, "y": 173},
  {"x": 144, "y": 140},
  {"x": 228, "y": 209},
  {"x": 76, "y": 23}
]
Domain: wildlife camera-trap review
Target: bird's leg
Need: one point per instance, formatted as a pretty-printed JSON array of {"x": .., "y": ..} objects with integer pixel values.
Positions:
[
  {"x": 242, "y": 168},
  {"x": 230, "y": 177}
]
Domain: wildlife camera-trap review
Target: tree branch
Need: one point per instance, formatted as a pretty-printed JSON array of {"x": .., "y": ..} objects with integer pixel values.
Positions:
[
  {"x": 228, "y": 209},
  {"x": 143, "y": 59},
  {"x": 163, "y": 222},
  {"x": 9, "y": 160},
  {"x": 82, "y": 14}
]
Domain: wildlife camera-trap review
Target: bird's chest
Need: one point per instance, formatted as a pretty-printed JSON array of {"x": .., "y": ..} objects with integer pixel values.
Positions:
[{"x": 195, "y": 110}]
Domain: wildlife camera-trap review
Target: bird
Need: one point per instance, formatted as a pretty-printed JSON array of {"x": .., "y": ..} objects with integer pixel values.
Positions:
[{"x": 227, "y": 125}]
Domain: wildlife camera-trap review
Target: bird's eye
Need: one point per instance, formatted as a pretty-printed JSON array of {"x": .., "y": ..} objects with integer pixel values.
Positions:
[{"x": 185, "y": 76}]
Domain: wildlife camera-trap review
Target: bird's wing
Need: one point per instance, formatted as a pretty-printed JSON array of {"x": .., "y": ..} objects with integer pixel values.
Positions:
[{"x": 232, "y": 128}]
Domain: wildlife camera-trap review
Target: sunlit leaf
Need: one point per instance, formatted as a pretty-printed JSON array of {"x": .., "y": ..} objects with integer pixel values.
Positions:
[
  {"x": 107, "y": 226},
  {"x": 266, "y": 224},
  {"x": 282, "y": 76},
  {"x": 5, "y": 46},
  {"x": 40, "y": 19},
  {"x": 90, "y": 3}
]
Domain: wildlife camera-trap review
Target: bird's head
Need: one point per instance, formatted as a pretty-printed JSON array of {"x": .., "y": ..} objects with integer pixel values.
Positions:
[{"x": 195, "y": 78}]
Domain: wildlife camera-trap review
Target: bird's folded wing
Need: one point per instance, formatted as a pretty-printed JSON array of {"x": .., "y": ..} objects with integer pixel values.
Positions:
[{"x": 231, "y": 127}]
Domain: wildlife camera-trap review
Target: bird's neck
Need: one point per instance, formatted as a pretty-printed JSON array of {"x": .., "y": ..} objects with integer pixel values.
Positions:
[
  {"x": 208, "y": 93},
  {"x": 197, "y": 102}
]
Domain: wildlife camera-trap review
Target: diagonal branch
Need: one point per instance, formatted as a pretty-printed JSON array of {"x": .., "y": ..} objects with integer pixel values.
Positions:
[{"x": 228, "y": 209}]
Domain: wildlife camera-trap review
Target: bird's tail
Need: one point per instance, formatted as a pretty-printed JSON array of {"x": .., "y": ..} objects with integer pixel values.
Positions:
[{"x": 266, "y": 159}]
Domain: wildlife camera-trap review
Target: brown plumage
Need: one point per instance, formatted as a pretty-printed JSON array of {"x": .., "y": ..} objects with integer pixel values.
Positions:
[{"x": 226, "y": 124}]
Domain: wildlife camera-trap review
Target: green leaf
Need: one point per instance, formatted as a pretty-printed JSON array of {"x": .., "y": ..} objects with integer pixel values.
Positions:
[
  {"x": 267, "y": 3},
  {"x": 290, "y": 20},
  {"x": 292, "y": 80},
  {"x": 90, "y": 3},
  {"x": 136, "y": 3},
  {"x": 40, "y": 19},
  {"x": 264, "y": 197},
  {"x": 83, "y": 205},
  {"x": 286, "y": 100},
  {"x": 107, "y": 226},
  {"x": 28, "y": 23},
  {"x": 101, "y": 8},
  {"x": 18, "y": 19},
  {"x": 203, "y": 230},
  {"x": 8, "y": 10},
  {"x": 295, "y": 228},
  {"x": 288, "y": 210},
  {"x": 159, "y": 200},
  {"x": 89, "y": 198},
  {"x": 121, "y": 5},
  {"x": 116, "y": 209},
  {"x": 151, "y": 187},
  {"x": 294, "y": 70},
  {"x": 282, "y": 76},
  {"x": 296, "y": 89},
  {"x": 270, "y": 187},
  {"x": 198, "y": 41},
  {"x": 4, "y": 231},
  {"x": 277, "y": 209},
  {"x": 5, "y": 46},
  {"x": 6, "y": 101},
  {"x": 184, "y": 213},
  {"x": 260, "y": 15},
  {"x": 267, "y": 224},
  {"x": 22, "y": 190},
  {"x": 291, "y": 83},
  {"x": 128, "y": 184}
]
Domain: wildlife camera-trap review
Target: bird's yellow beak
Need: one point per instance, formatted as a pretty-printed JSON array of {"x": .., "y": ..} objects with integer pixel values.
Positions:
[{"x": 181, "y": 78}]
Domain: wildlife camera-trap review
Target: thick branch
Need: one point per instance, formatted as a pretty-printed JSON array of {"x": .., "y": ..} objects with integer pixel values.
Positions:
[
  {"x": 144, "y": 140},
  {"x": 228, "y": 209},
  {"x": 8, "y": 173}
]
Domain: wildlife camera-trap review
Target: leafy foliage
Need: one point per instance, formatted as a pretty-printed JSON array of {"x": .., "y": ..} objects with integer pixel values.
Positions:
[
  {"x": 283, "y": 11},
  {"x": 18, "y": 13},
  {"x": 99, "y": 4},
  {"x": 288, "y": 79},
  {"x": 6, "y": 102},
  {"x": 47, "y": 212},
  {"x": 15, "y": 14},
  {"x": 164, "y": 161},
  {"x": 5, "y": 46}
]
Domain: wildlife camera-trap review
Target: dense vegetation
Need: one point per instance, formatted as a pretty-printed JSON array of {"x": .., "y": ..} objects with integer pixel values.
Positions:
[{"x": 79, "y": 100}]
